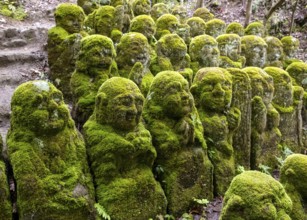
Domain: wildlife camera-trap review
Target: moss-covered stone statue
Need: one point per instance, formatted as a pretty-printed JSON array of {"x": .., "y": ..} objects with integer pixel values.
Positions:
[
  {"x": 141, "y": 7},
  {"x": 253, "y": 195},
  {"x": 290, "y": 48},
  {"x": 181, "y": 13},
  {"x": 274, "y": 52},
  {"x": 292, "y": 176},
  {"x": 241, "y": 99},
  {"x": 212, "y": 90},
  {"x": 133, "y": 60},
  {"x": 166, "y": 24},
  {"x": 48, "y": 156},
  {"x": 197, "y": 26},
  {"x": 172, "y": 55},
  {"x": 106, "y": 20},
  {"x": 255, "y": 28},
  {"x": 177, "y": 133},
  {"x": 203, "y": 13},
  {"x": 254, "y": 49},
  {"x": 298, "y": 73},
  {"x": 235, "y": 28},
  {"x": 230, "y": 50},
  {"x": 90, "y": 5},
  {"x": 64, "y": 43},
  {"x": 121, "y": 154},
  {"x": 265, "y": 135},
  {"x": 5, "y": 204},
  {"x": 288, "y": 101},
  {"x": 158, "y": 10},
  {"x": 204, "y": 52},
  {"x": 215, "y": 27},
  {"x": 95, "y": 64}
]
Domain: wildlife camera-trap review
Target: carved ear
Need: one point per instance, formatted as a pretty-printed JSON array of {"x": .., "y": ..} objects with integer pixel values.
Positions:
[{"x": 101, "y": 100}]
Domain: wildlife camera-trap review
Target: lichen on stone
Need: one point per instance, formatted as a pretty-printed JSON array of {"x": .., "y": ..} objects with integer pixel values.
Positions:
[
  {"x": 255, "y": 28},
  {"x": 197, "y": 25},
  {"x": 158, "y": 10},
  {"x": 166, "y": 24},
  {"x": 215, "y": 27},
  {"x": 235, "y": 28},
  {"x": 274, "y": 52},
  {"x": 203, "y": 13},
  {"x": 254, "y": 49}
]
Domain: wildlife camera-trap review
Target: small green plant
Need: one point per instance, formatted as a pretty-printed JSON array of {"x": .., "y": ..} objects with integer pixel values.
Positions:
[
  {"x": 285, "y": 153},
  {"x": 12, "y": 9},
  {"x": 203, "y": 202},
  {"x": 102, "y": 212},
  {"x": 169, "y": 217},
  {"x": 240, "y": 169},
  {"x": 264, "y": 169}
]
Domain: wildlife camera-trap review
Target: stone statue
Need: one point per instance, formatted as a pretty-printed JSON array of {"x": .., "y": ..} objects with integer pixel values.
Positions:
[
  {"x": 230, "y": 50},
  {"x": 121, "y": 153},
  {"x": 235, "y": 28},
  {"x": 255, "y": 28},
  {"x": 166, "y": 24},
  {"x": 95, "y": 64},
  {"x": 173, "y": 121},
  {"x": 254, "y": 49},
  {"x": 292, "y": 176},
  {"x": 197, "y": 26},
  {"x": 290, "y": 47},
  {"x": 63, "y": 45},
  {"x": 203, "y": 13},
  {"x": 159, "y": 9},
  {"x": 215, "y": 27},
  {"x": 274, "y": 52},
  {"x": 141, "y": 7},
  {"x": 254, "y": 195},
  {"x": 212, "y": 90},
  {"x": 48, "y": 156}
]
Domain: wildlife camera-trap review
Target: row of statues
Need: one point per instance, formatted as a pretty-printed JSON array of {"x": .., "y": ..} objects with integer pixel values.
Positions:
[{"x": 166, "y": 117}]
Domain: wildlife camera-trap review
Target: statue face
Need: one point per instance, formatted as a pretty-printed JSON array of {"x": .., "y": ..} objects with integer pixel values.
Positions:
[
  {"x": 142, "y": 7},
  {"x": 46, "y": 112},
  {"x": 209, "y": 55},
  {"x": 99, "y": 56},
  {"x": 256, "y": 56},
  {"x": 231, "y": 50},
  {"x": 216, "y": 91},
  {"x": 274, "y": 53},
  {"x": 104, "y": 21},
  {"x": 72, "y": 23},
  {"x": 283, "y": 91},
  {"x": 177, "y": 100}
]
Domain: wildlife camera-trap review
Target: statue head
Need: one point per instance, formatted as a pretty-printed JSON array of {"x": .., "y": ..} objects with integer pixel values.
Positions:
[
  {"x": 97, "y": 51},
  {"x": 212, "y": 89},
  {"x": 143, "y": 24},
  {"x": 119, "y": 103},
  {"x": 235, "y": 28},
  {"x": 283, "y": 95},
  {"x": 255, "y": 28},
  {"x": 254, "y": 49},
  {"x": 215, "y": 27},
  {"x": 133, "y": 47},
  {"x": 166, "y": 24},
  {"x": 256, "y": 195},
  {"x": 141, "y": 7},
  {"x": 203, "y": 13},
  {"x": 181, "y": 13},
  {"x": 229, "y": 46},
  {"x": 39, "y": 107},
  {"x": 197, "y": 26},
  {"x": 204, "y": 50},
  {"x": 70, "y": 17},
  {"x": 158, "y": 10},
  {"x": 274, "y": 50},
  {"x": 173, "y": 47},
  {"x": 169, "y": 96},
  {"x": 298, "y": 71},
  {"x": 290, "y": 46}
]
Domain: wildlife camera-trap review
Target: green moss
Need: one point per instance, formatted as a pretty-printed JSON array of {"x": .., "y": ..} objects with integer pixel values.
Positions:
[
  {"x": 181, "y": 13},
  {"x": 254, "y": 49},
  {"x": 13, "y": 9},
  {"x": 158, "y": 10},
  {"x": 48, "y": 156},
  {"x": 203, "y": 13},
  {"x": 255, "y": 28},
  {"x": 274, "y": 52},
  {"x": 167, "y": 23},
  {"x": 256, "y": 195},
  {"x": 292, "y": 173},
  {"x": 235, "y": 28},
  {"x": 121, "y": 153},
  {"x": 197, "y": 26},
  {"x": 215, "y": 27},
  {"x": 173, "y": 121},
  {"x": 298, "y": 72},
  {"x": 95, "y": 64}
]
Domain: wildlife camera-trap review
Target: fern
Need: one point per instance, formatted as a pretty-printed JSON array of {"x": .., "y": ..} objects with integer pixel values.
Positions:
[{"x": 102, "y": 212}]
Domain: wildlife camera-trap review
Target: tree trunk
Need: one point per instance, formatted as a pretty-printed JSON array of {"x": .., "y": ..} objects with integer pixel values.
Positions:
[
  {"x": 271, "y": 11},
  {"x": 292, "y": 17},
  {"x": 199, "y": 4},
  {"x": 248, "y": 12}
]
